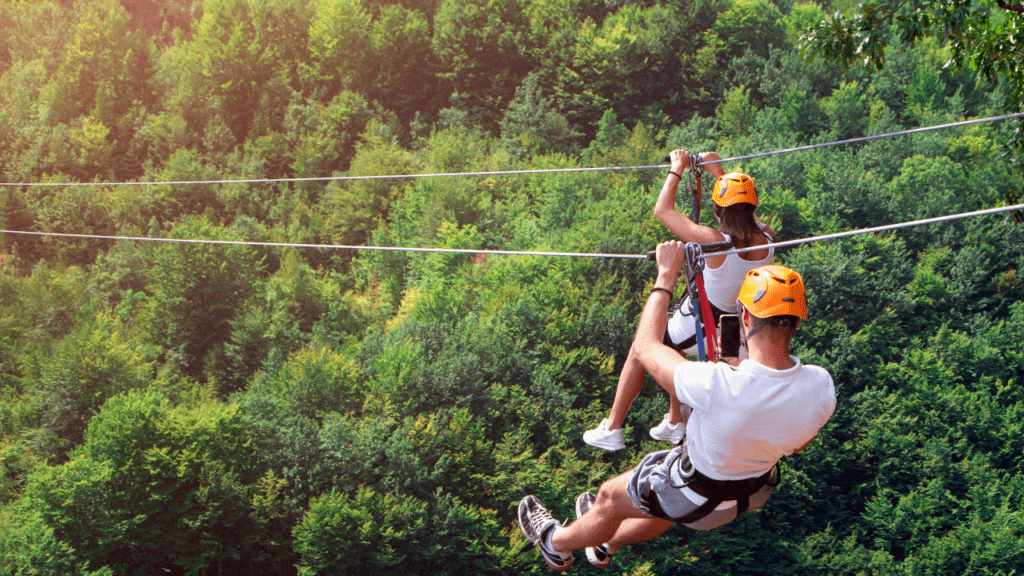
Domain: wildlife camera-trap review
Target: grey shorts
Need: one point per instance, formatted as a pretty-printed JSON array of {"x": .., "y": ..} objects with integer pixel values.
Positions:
[{"x": 661, "y": 476}]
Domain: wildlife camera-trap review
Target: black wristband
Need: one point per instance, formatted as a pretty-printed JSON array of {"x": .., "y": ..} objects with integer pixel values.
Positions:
[
  {"x": 656, "y": 288},
  {"x": 676, "y": 174}
]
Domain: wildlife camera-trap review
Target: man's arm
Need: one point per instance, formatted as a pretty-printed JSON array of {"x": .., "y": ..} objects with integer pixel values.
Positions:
[
  {"x": 659, "y": 360},
  {"x": 806, "y": 444}
]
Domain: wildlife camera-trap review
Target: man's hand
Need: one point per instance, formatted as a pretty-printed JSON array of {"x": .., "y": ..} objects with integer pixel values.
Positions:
[
  {"x": 659, "y": 360},
  {"x": 671, "y": 257}
]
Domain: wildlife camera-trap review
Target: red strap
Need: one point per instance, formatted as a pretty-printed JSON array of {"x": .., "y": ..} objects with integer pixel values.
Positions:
[
  {"x": 695, "y": 195},
  {"x": 707, "y": 318}
]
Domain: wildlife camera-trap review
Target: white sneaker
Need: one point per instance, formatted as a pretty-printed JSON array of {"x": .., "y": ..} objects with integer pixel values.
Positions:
[
  {"x": 668, "y": 432},
  {"x": 603, "y": 438}
]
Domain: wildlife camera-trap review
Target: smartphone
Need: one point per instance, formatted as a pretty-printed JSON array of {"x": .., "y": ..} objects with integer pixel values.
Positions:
[{"x": 729, "y": 335}]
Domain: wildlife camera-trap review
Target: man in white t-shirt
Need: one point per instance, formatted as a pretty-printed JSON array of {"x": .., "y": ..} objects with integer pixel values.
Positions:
[{"x": 743, "y": 420}]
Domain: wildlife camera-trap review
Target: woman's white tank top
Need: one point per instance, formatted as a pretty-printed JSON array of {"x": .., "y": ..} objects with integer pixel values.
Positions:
[{"x": 722, "y": 284}]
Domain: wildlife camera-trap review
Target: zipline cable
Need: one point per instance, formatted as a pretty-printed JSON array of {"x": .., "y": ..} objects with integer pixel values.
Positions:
[
  {"x": 508, "y": 172},
  {"x": 885, "y": 228},
  {"x": 648, "y": 256},
  {"x": 863, "y": 138},
  {"x": 331, "y": 178},
  {"x": 325, "y": 246}
]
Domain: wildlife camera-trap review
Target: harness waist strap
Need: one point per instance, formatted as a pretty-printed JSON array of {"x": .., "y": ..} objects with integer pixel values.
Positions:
[{"x": 726, "y": 489}]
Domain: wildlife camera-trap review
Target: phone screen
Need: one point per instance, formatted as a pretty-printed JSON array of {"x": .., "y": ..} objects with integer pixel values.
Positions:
[{"x": 729, "y": 335}]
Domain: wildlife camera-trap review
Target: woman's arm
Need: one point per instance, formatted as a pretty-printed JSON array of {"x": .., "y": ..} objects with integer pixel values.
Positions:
[{"x": 665, "y": 208}]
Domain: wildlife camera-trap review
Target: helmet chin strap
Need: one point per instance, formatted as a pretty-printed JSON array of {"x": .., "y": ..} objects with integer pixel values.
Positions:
[{"x": 745, "y": 336}]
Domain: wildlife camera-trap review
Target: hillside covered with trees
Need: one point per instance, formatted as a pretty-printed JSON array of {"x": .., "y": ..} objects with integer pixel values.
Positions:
[{"x": 239, "y": 409}]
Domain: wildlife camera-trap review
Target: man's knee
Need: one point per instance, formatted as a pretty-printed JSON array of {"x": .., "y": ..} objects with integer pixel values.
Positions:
[
  {"x": 605, "y": 497},
  {"x": 613, "y": 498}
]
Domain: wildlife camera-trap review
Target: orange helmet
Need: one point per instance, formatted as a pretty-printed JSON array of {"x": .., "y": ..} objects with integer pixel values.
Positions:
[
  {"x": 774, "y": 290},
  {"x": 734, "y": 188}
]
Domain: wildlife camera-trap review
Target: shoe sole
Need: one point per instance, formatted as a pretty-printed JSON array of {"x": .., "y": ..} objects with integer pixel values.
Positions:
[
  {"x": 671, "y": 439},
  {"x": 555, "y": 567},
  {"x": 603, "y": 445},
  {"x": 595, "y": 561}
]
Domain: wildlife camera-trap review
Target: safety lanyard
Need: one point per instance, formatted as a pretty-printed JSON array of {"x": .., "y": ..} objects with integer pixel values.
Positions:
[
  {"x": 692, "y": 174},
  {"x": 699, "y": 305}
]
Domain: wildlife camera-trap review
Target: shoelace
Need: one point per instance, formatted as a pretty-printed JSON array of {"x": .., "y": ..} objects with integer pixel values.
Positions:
[{"x": 539, "y": 515}]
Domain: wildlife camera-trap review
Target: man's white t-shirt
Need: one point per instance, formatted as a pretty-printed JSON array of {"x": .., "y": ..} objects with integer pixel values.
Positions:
[{"x": 746, "y": 418}]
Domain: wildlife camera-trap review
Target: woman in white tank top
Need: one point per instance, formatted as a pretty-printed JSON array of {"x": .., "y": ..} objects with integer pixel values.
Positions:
[{"x": 735, "y": 199}]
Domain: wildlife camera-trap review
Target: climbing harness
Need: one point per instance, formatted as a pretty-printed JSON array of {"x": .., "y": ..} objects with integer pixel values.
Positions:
[
  {"x": 718, "y": 491},
  {"x": 679, "y": 473}
]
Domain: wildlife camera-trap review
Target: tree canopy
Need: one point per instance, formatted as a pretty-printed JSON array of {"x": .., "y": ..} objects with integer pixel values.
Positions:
[{"x": 232, "y": 408}]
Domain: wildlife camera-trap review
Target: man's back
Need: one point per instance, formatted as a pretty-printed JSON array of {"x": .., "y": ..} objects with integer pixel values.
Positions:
[{"x": 746, "y": 418}]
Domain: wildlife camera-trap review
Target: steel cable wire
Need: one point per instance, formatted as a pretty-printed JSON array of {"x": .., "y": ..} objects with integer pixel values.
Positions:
[
  {"x": 508, "y": 172},
  {"x": 647, "y": 256}
]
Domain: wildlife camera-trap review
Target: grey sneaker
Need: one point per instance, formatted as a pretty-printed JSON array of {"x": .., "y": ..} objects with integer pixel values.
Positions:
[
  {"x": 536, "y": 522},
  {"x": 668, "y": 432},
  {"x": 602, "y": 437},
  {"x": 598, "y": 555}
]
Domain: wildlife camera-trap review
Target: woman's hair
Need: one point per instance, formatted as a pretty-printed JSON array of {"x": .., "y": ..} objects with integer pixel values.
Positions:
[{"x": 738, "y": 221}]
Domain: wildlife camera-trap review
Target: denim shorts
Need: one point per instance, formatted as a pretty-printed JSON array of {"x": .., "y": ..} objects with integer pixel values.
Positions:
[{"x": 658, "y": 488}]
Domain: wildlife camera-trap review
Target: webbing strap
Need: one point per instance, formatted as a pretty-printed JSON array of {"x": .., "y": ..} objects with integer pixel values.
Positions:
[
  {"x": 710, "y": 335},
  {"x": 703, "y": 319},
  {"x": 698, "y": 328},
  {"x": 695, "y": 192},
  {"x": 718, "y": 491}
]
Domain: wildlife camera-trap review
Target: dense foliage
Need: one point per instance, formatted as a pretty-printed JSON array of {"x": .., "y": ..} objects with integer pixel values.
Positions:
[{"x": 238, "y": 409}]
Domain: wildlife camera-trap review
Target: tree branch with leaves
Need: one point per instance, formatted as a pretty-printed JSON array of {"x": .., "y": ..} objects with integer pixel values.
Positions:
[{"x": 981, "y": 35}]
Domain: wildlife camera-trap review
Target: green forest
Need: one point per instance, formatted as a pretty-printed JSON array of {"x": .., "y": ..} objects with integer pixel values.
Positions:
[{"x": 201, "y": 409}]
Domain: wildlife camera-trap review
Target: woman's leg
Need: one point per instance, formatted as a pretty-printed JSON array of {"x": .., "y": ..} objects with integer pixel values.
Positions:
[
  {"x": 631, "y": 381},
  {"x": 677, "y": 411}
]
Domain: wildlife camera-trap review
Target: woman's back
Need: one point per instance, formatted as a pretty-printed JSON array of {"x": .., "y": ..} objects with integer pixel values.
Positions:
[{"x": 723, "y": 278}]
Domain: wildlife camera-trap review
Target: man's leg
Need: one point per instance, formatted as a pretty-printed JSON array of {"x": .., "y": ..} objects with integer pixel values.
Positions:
[
  {"x": 602, "y": 523},
  {"x": 635, "y": 530}
]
